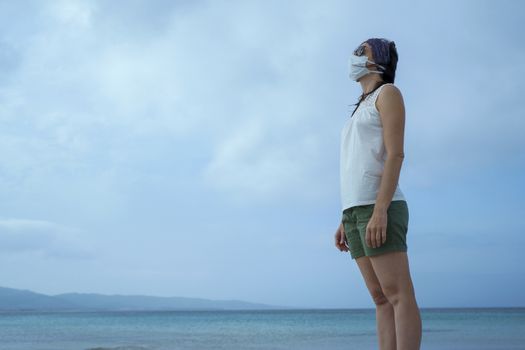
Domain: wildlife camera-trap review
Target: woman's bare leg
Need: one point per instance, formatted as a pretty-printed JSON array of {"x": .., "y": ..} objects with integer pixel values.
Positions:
[
  {"x": 393, "y": 273},
  {"x": 386, "y": 331}
]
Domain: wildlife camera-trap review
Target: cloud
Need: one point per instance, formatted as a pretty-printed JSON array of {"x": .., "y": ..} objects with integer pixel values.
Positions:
[
  {"x": 72, "y": 12},
  {"x": 255, "y": 162},
  {"x": 48, "y": 238},
  {"x": 88, "y": 92}
]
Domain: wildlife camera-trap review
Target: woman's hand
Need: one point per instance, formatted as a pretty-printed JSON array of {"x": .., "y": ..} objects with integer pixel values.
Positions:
[
  {"x": 376, "y": 228},
  {"x": 340, "y": 239}
]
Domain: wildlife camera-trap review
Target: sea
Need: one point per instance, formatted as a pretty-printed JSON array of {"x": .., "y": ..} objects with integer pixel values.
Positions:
[{"x": 458, "y": 329}]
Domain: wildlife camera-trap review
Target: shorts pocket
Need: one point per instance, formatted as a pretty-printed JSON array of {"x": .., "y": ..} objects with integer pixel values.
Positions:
[
  {"x": 345, "y": 219},
  {"x": 364, "y": 213}
]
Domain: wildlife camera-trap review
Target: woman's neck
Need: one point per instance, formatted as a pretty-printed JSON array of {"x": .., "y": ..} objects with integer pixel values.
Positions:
[{"x": 369, "y": 82}]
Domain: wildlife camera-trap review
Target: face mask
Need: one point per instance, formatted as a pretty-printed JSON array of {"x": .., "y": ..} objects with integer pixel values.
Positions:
[{"x": 357, "y": 67}]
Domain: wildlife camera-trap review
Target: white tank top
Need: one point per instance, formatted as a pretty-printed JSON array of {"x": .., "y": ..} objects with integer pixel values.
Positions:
[{"x": 363, "y": 155}]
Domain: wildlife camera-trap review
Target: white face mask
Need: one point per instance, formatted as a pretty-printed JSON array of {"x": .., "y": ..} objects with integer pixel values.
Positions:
[{"x": 357, "y": 67}]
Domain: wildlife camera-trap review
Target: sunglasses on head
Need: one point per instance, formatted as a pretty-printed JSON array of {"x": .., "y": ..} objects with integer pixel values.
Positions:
[{"x": 360, "y": 50}]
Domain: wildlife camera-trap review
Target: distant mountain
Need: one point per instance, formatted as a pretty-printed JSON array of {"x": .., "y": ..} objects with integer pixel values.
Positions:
[
  {"x": 22, "y": 300},
  {"x": 17, "y": 299}
]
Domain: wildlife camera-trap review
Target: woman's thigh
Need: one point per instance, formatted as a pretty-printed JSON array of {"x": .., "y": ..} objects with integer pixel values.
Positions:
[
  {"x": 393, "y": 273},
  {"x": 371, "y": 280}
]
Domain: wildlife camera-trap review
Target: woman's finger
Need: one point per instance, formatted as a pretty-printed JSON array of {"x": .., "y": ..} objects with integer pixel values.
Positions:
[
  {"x": 367, "y": 236},
  {"x": 371, "y": 236},
  {"x": 378, "y": 236}
]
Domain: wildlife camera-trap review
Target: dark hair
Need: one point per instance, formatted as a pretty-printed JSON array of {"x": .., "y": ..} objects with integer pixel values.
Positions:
[{"x": 388, "y": 76}]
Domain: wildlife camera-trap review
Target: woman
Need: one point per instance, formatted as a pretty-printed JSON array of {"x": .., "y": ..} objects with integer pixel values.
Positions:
[{"x": 375, "y": 213}]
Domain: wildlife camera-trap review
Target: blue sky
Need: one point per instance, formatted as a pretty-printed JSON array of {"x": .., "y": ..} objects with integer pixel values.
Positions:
[{"x": 191, "y": 148}]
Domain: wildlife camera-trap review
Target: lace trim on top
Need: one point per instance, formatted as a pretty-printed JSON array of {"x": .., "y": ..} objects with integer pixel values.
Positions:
[{"x": 370, "y": 100}]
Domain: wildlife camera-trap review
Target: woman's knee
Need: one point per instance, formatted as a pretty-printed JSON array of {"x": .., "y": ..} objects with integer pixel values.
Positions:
[
  {"x": 379, "y": 297},
  {"x": 395, "y": 293}
]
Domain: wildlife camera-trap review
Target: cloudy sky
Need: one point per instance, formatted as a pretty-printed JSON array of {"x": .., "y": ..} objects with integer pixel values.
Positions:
[{"x": 191, "y": 148}]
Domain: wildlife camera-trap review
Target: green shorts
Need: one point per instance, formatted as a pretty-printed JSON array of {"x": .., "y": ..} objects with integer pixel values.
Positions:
[{"x": 356, "y": 218}]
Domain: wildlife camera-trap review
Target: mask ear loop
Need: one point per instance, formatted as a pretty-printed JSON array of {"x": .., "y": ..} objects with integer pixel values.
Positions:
[
  {"x": 375, "y": 71},
  {"x": 380, "y": 66}
]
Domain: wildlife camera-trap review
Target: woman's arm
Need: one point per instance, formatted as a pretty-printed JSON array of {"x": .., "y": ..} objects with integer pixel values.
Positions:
[{"x": 392, "y": 112}]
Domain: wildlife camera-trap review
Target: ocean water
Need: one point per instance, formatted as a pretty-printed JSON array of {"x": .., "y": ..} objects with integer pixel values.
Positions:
[{"x": 458, "y": 329}]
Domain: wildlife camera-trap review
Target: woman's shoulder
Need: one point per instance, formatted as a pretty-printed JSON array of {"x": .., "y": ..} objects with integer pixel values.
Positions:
[
  {"x": 389, "y": 93},
  {"x": 389, "y": 87},
  {"x": 390, "y": 90}
]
